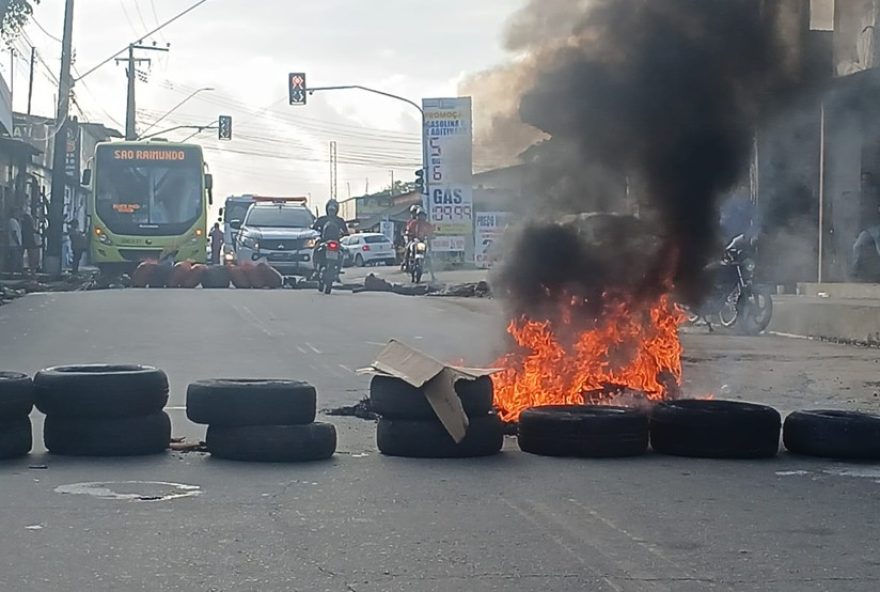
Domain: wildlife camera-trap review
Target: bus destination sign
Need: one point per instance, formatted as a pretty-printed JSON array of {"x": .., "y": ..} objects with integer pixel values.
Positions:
[{"x": 149, "y": 154}]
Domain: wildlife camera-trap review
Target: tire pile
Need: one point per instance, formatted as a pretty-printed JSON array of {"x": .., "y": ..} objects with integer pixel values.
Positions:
[
  {"x": 187, "y": 275},
  {"x": 409, "y": 427},
  {"x": 260, "y": 420},
  {"x": 103, "y": 410},
  {"x": 698, "y": 429},
  {"x": 16, "y": 403}
]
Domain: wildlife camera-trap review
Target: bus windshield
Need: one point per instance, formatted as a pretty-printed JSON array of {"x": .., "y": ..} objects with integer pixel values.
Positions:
[{"x": 142, "y": 196}]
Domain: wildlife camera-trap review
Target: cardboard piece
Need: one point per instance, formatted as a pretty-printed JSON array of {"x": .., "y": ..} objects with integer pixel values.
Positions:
[{"x": 436, "y": 379}]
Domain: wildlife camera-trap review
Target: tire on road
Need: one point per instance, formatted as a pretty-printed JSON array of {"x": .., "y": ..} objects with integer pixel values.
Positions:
[
  {"x": 16, "y": 437},
  {"x": 715, "y": 429},
  {"x": 194, "y": 277},
  {"x": 16, "y": 396},
  {"x": 247, "y": 401},
  {"x": 583, "y": 431},
  {"x": 128, "y": 436},
  {"x": 239, "y": 278},
  {"x": 271, "y": 277},
  {"x": 143, "y": 274},
  {"x": 272, "y": 443},
  {"x": 179, "y": 274},
  {"x": 215, "y": 277},
  {"x": 846, "y": 435},
  {"x": 253, "y": 275},
  {"x": 424, "y": 438},
  {"x": 396, "y": 399},
  {"x": 100, "y": 391}
]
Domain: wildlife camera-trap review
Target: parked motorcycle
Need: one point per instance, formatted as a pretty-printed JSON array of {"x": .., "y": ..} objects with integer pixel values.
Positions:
[
  {"x": 418, "y": 258},
  {"x": 331, "y": 263},
  {"x": 735, "y": 300}
]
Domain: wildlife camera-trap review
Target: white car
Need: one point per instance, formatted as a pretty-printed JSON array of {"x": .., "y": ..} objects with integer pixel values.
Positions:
[{"x": 369, "y": 248}]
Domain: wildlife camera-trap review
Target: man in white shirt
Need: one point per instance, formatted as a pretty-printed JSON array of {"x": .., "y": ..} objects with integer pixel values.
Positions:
[{"x": 14, "y": 251}]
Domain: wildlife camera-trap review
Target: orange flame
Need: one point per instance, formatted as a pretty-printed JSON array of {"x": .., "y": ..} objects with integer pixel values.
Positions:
[{"x": 631, "y": 347}]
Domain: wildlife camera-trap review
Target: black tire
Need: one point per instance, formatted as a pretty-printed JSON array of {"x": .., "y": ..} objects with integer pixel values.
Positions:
[
  {"x": 16, "y": 395},
  {"x": 395, "y": 399},
  {"x": 129, "y": 436},
  {"x": 583, "y": 431},
  {"x": 757, "y": 312},
  {"x": 846, "y": 435},
  {"x": 715, "y": 429},
  {"x": 16, "y": 438},
  {"x": 216, "y": 277},
  {"x": 274, "y": 443},
  {"x": 100, "y": 391},
  {"x": 425, "y": 438},
  {"x": 328, "y": 288},
  {"x": 251, "y": 401},
  {"x": 359, "y": 260}
]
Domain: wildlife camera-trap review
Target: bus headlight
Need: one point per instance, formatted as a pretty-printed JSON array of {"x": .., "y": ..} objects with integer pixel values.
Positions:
[{"x": 104, "y": 239}]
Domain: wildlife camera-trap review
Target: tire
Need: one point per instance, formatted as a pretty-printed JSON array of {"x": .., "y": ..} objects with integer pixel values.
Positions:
[
  {"x": 715, "y": 429},
  {"x": 130, "y": 436},
  {"x": 179, "y": 274},
  {"x": 142, "y": 276},
  {"x": 16, "y": 438},
  {"x": 272, "y": 443},
  {"x": 16, "y": 396},
  {"x": 160, "y": 277},
  {"x": 271, "y": 277},
  {"x": 583, "y": 431},
  {"x": 194, "y": 277},
  {"x": 393, "y": 398},
  {"x": 359, "y": 260},
  {"x": 241, "y": 402},
  {"x": 425, "y": 438},
  {"x": 100, "y": 391},
  {"x": 215, "y": 277},
  {"x": 754, "y": 318},
  {"x": 239, "y": 278},
  {"x": 845, "y": 435}
]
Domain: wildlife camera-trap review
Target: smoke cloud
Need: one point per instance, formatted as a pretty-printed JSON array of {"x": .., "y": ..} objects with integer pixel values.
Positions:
[{"x": 649, "y": 105}]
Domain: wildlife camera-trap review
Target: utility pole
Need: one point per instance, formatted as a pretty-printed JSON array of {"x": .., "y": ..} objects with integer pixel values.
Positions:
[
  {"x": 31, "y": 79},
  {"x": 392, "y": 182},
  {"x": 59, "y": 150},
  {"x": 11, "y": 76},
  {"x": 333, "y": 170},
  {"x": 131, "y": 70}
]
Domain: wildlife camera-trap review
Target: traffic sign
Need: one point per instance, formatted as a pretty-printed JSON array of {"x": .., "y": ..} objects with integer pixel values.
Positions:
[
  {"x": 224, "y": 127},
  {"x": 296, "y": 82}
]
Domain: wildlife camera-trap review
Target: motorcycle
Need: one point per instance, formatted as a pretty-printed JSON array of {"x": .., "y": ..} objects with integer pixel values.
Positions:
[
  {"x": 418, "y": 259},
  {"x": 331, "y": 263},
  {"x": 735, "y": 300}
]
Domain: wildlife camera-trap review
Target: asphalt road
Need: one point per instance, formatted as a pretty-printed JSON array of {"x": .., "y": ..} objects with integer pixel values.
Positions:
[{"x": 362, "y": 522}]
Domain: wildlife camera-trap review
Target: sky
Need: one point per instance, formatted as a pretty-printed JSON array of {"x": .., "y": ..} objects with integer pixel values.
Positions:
[{"x": 244, "y": 49}]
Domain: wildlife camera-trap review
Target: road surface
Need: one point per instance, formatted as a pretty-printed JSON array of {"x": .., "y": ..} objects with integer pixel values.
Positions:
[{"x": 366, "y": 523}]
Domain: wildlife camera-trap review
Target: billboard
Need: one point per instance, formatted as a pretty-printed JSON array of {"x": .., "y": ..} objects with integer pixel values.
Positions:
[
  {"x": 449, "y": 152},
  {"x": 490, "y": 227}
]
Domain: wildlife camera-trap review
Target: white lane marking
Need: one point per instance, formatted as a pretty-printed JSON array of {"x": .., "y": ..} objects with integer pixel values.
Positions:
[
  {"x": 376, "y": 343},
  {"x": 346, "y": 368},
  {"x": 249, "y": 315},
  {"x": 158, "y": 490},
  {"x": 176, "y": 408},
  {"x": 313, "y": 348},
  {"x": 301, "y": 349}
]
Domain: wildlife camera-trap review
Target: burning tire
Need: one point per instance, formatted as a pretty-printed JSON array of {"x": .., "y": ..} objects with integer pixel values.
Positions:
[
  {"x": 215, "y": 276},
  {"x": 100, "y": 391},
  {"x": 429, "y": 439},
  {"x": 129, "y": 436},
  {"x": 833, "y": 434},
  {"x": 251, "y": 402},
  {"x": 396, "y": 399},
  {"x": 583, "y": 431},
  {"x": 16, "y": 396},
  {"x": 272, "y": 443},
  {"x": 16, "y": 437},
  {"x": 715, "y": 429}
]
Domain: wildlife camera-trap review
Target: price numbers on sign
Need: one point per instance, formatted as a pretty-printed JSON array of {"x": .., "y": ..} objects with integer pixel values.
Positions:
[{"x": 451, "y": 213}]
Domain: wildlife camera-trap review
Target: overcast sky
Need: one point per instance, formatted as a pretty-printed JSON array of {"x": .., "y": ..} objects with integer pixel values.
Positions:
[{"x": 245, "y": 48}]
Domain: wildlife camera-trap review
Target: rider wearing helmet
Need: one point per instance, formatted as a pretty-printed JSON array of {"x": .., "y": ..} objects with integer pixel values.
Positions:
[
  {"x": 417, "y": 228},
  {"x": 332, "y": 228}
]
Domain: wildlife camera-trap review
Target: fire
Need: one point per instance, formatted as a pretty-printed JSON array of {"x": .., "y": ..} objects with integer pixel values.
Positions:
[{"x": 630, "y": 347}]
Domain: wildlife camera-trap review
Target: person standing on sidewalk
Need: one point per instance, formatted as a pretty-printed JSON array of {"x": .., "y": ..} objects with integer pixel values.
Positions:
[
  {"x": 78, "y": 244},
  {"x": 13, "y": 244}
]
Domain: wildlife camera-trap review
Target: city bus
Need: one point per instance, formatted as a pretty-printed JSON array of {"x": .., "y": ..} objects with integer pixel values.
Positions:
[{"x": 148, "y": 201}]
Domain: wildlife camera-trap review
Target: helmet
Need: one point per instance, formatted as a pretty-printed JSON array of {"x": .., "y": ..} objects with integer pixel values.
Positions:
[
  {"x": 414, "y": 210},
  {"x": 332, "y": 207},
  {"x": 422, "y": 214}
]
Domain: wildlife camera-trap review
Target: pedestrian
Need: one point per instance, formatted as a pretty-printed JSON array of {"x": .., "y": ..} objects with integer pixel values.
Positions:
[
  {"x": 78, "y": 244},
  {"x": 13, "y": 244},
  {"x": 217, "y": 240},
  {"x": 30, "y": 242}
]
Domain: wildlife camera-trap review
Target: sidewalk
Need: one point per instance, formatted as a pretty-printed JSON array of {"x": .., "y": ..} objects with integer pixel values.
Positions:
[{"x": 836, "y": 312}]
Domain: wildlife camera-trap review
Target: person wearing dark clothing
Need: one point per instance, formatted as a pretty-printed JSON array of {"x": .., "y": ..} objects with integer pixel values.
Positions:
[
  {"x": 216, "y": 243},
  {"x": 78, "y": 244},
  {"x": 332, "y": 227}
]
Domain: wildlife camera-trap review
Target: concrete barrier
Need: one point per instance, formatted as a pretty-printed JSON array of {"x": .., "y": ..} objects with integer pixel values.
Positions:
[{"x": 837, "y": 319}]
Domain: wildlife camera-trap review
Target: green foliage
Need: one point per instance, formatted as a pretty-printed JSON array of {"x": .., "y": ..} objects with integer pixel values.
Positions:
[{"x": 14, "y": 15}]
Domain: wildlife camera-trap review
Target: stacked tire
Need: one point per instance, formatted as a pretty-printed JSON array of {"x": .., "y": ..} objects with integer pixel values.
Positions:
[
  {"x": 103, "y": 410},
  {"x": 260, "y": 420},
  {"x": 16, "y": 403},
  {"x": 409, "y": 427}
]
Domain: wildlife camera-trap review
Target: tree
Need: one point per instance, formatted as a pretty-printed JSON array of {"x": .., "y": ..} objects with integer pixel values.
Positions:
[{"x": 14, "y": 15}]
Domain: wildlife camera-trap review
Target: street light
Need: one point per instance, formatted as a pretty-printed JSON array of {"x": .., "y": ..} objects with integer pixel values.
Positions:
[{"x": 175, "y": 108}]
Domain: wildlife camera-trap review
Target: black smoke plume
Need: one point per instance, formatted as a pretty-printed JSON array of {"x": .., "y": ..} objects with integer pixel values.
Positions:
[{"x": 661, "y": 96}]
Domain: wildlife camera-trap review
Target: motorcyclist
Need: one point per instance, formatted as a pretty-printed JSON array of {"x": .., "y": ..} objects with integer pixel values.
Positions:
[
  {"x": 331, "y": 227},
  {"x": 417, "y": 228}
]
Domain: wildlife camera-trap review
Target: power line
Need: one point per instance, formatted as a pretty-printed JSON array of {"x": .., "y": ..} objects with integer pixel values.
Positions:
[{"x": 45, "y": 32}]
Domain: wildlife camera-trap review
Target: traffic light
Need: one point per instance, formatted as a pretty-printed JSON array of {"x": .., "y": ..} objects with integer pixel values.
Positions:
[
  {"x": 297, "y": 87},
  {"x": 420, "y": 180},
  {"x": 224, "y": 127}
]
